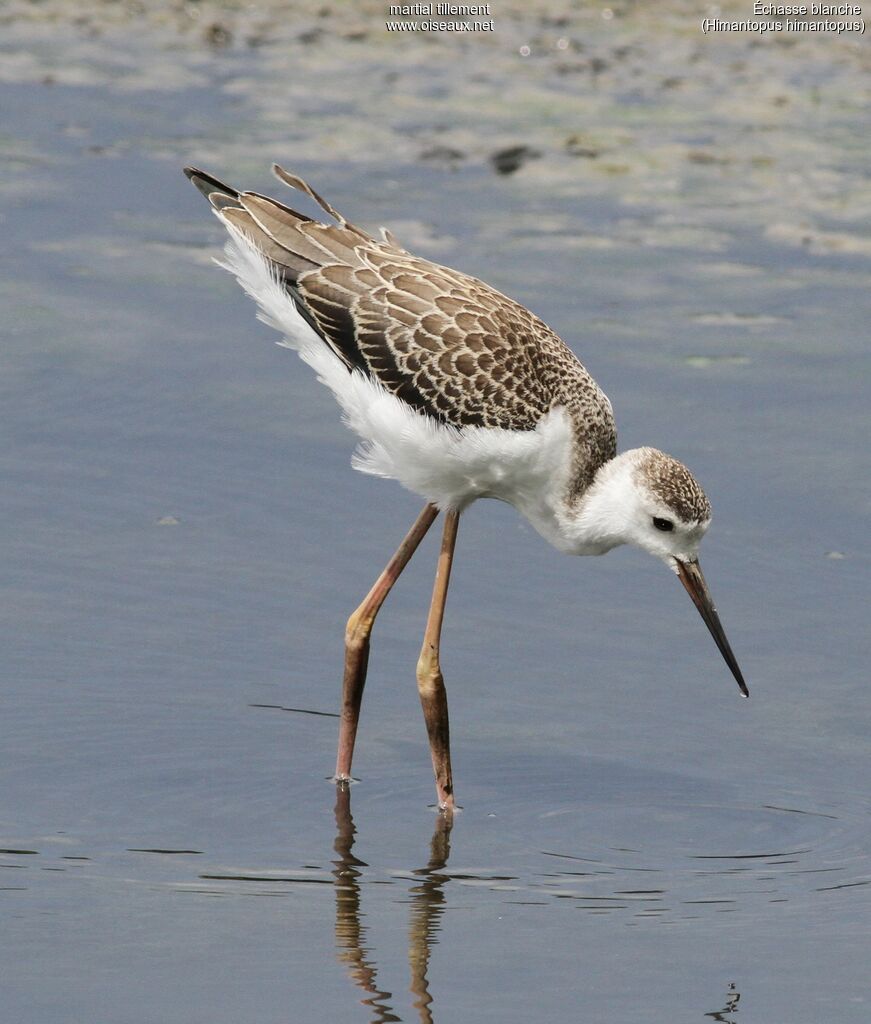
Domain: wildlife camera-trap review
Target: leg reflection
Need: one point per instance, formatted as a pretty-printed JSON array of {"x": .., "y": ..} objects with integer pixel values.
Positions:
[
  {"x": 428, "y": 904},
  {"x": 725, "y": 1016},
  {"x": 350, "y": 933}
]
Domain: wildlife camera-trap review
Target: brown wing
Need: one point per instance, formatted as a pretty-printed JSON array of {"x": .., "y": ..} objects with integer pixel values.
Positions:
[
  {"x": 471, "y": 355},
  {"x": 447, "y": 344}
]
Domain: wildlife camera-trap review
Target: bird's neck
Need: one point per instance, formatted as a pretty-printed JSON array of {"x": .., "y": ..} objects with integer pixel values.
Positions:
[{"x": 592, "y": 522}]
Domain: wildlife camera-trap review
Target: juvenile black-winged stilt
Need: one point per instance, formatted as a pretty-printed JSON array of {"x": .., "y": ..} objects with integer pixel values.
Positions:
[{"x": 459, "y": 393}]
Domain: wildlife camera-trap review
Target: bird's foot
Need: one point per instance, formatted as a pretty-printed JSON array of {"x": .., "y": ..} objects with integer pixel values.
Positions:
[
  {"x": 447, "y": 809},
  {"x": 342, "y": 782}
]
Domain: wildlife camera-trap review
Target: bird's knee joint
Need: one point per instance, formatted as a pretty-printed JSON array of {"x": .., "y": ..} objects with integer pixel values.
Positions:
[
  {"x": 357, "y": 630},
  {"x": 429, "y": 673}
]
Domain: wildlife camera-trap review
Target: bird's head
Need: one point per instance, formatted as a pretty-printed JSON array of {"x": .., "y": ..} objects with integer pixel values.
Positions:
[
  {"x": 666, "y": 512},
  {"x": 649, "y": 499}
]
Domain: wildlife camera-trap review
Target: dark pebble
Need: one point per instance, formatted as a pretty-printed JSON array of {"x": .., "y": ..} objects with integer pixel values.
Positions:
[{"x": 507, "y": 161}]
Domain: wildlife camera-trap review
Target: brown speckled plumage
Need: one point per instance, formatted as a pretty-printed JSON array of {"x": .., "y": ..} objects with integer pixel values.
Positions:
[
  {"x": 448, "y": 345},
  {"x": 674, "y": 485}
]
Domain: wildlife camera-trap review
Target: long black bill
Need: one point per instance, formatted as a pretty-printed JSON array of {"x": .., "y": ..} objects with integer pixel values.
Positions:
[{"x": 690, "y": 574}]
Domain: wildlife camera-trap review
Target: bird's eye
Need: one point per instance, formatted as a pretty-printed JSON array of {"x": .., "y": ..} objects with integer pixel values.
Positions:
[{"x": 666, "y": 525}]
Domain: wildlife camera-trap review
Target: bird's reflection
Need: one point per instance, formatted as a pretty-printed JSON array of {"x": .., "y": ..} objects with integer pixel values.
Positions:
[{"x": 427, "y": 906}]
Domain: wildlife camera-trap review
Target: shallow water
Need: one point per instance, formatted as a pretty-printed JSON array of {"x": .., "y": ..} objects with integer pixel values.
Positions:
[{"x": 183, "y": 541}]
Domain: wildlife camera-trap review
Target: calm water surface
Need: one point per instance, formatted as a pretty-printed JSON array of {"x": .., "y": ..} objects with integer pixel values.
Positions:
[{"x": 183, "y": 541}]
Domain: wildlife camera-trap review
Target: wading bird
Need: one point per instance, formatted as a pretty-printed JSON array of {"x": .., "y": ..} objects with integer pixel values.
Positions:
[{"x": 459, "y": 393}]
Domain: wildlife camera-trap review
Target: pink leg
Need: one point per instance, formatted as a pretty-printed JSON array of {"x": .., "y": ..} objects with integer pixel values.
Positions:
[
  {"x": 357, "y": 640},
  {"x": 430, "y": 683}
]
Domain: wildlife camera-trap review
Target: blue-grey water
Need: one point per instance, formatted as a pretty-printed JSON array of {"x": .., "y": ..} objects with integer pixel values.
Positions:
[{"x": 183, "y": 538}]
